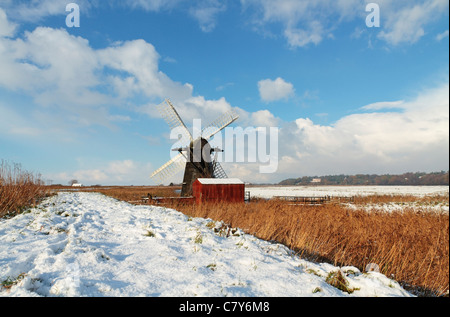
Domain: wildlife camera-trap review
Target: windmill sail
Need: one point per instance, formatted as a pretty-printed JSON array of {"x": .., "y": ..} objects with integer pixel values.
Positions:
[
  {"x": 174, "y": 121},
  {"x": 219, "y": 124},
  {"x": 170, "y": 168}
]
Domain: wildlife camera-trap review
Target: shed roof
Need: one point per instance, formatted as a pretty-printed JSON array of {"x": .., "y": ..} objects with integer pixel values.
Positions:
[{"x": 220, "y": 181}]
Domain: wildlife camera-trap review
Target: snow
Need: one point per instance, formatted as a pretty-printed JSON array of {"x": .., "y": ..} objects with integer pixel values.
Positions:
[
  {"x": 345, "y": 191},
  {"x": 86, "y": 244},
  {"x": 220, "y": 181},
  {"x": 350, "y": 191},
  {"x": 437, "y": 208}
]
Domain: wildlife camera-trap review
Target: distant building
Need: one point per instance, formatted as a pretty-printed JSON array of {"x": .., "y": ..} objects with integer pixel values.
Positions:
[
  {"x": 77, "y": 185},
  {"x": 316, "y": 180}
]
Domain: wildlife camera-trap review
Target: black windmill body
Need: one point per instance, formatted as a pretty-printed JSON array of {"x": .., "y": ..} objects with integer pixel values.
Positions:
[{"x": 197, "y": 156}]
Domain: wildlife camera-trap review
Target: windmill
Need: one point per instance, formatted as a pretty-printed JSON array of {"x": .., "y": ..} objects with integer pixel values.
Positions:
[{"x": 197, "y": 156}]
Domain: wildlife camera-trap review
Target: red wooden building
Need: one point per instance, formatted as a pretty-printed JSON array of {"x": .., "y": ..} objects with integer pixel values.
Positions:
[{"x": 218, "y": 190}]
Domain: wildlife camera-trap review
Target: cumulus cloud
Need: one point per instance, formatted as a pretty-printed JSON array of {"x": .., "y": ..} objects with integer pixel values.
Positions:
[
  {"x": 388, "y": 137},
  {"x": 264, "y": 118},
  {"x": 63, "y": 72},
  {"x": 139, "y": 60},
  {"x": 415, "y": 138},
  {"x": 65, "y": 90},
  {"x": 49, "y": 59},
  {"x": 272, "y": 90},
  {"x": 73, "y": 84}
]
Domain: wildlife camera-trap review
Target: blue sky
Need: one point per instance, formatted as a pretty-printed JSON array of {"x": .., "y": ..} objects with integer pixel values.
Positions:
[{"x": 79, "y": 102}]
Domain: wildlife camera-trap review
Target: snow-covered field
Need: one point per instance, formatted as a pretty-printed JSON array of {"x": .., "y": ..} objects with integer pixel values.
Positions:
[
  {"x": 345, "y": 191},
  {"x": 350, "y": 191},
  {"x": 87, "y": 244}
]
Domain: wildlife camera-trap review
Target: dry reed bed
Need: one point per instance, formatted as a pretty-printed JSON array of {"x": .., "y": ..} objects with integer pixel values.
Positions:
[{"x": 19, "y": 189}]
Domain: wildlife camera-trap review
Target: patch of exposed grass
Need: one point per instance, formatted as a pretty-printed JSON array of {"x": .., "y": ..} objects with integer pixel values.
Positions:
[{"x": 338, "y": 280}]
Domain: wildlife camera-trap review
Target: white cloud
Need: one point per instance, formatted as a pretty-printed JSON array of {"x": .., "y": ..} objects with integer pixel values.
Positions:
[
  {"x": 248, "y": 172},
  {"x": 63, "y": 71},
  {"x": 36, "y": 10},
  {"x": 264, "y": 118},
  {"x": 309, "y": 22},
  {"x": 140, "y": 61},
  {"x": 74, "y": 85},
  {"x": 272, "y": 90},
  {"x": 442, "y": 35},
  {"x": 304, "y": 22},
  {"x": 57, "y": 71},
  {"x": 113, "y": 173},
  {"x": 384, "y": 105},
  {"x": 405, "y": 23},
  {"x": 152, "y": 5},
  {"x": 301, "y": 37},
  {"x": 49, "y": 59},
  {"x": 193, "y": 107},
  {"x": 7, "y": 28},
  {"x": 206, "y": 12},
  {"x": 414, "y": 139}
]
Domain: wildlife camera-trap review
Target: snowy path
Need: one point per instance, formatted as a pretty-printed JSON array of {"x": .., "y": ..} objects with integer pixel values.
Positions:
[{"x": 87, "y": 244}]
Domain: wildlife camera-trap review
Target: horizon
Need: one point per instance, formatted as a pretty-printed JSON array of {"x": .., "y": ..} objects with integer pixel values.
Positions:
[{"x": 287, "y": 179}]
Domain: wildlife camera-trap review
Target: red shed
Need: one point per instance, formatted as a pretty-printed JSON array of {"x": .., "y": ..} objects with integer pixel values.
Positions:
[{"x": 218, "y": 189}]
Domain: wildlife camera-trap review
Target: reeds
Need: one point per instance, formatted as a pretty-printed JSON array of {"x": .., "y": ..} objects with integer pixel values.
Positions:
[{"x": 19, "y": 189}]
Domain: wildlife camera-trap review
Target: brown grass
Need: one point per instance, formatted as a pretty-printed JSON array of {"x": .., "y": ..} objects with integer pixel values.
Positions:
[
  {"x": 411, "y": 246},
  {"x": 19, "y": 189}
]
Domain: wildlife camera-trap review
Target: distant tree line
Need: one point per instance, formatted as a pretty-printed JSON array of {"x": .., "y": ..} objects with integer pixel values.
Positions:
[{"x": 437, "y": 178}]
